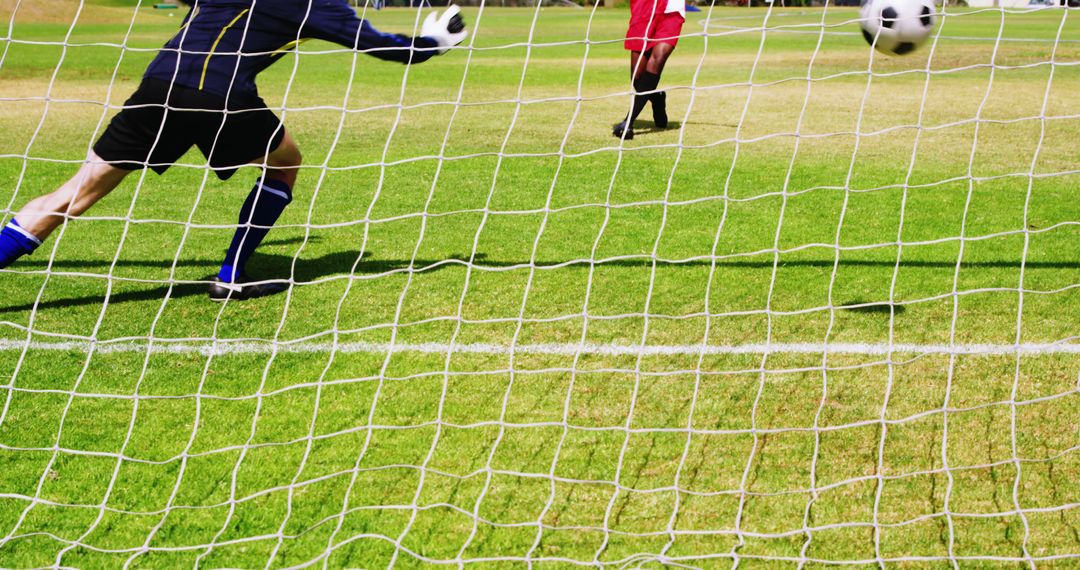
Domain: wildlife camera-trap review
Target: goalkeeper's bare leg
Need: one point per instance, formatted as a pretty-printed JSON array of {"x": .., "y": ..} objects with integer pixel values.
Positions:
[{"x": 40, "y": 217}]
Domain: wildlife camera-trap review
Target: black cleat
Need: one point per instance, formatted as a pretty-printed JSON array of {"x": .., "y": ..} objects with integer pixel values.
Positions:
[
  {"x": 659, "y": 109},
  {"x": 243, "y": 289},
  {"x": 617, "y": 131}
]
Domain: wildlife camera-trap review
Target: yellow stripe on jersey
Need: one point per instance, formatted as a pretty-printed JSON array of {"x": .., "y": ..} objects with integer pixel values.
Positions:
[
  {"x": 213, "y": 48},
  {"x": 190, "y": 19},
  {"x": 289, "y": 46}
]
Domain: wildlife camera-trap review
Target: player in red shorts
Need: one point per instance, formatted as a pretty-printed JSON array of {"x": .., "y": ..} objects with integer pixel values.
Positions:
[{"x": 655, "y": 26}]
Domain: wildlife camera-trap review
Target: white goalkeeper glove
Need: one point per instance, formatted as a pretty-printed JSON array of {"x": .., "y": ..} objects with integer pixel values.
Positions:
[{"x": 447, "y": 30}]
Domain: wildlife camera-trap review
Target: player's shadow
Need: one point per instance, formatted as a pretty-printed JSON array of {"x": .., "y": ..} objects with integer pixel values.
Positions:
[
  {"x": 306, "y": 270},
  {"x": 650, "y": 127},
  {"x": 311, "y": 269}
]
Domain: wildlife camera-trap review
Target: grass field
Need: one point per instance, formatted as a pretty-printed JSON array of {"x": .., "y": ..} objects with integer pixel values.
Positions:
[{"x": 379, "y": 415}]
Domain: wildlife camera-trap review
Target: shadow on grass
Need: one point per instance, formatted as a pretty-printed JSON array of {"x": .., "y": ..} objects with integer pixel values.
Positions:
[
  {"x": 649, "y": 127},
  {"x": 873, "y": 308},
  {"x": 342, "y": 262},
  {"x": 305, "y": 270}
]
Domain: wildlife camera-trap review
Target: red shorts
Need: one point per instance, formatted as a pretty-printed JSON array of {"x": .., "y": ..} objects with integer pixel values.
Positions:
[{"x": 649, "y": 25}]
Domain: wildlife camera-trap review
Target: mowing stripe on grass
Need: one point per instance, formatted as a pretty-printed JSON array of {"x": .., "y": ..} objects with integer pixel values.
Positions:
[{"x": 224, "y": 347}]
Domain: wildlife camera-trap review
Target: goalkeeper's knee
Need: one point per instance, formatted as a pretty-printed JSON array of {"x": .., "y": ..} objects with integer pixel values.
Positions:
[{"x": 284, "y": 163}]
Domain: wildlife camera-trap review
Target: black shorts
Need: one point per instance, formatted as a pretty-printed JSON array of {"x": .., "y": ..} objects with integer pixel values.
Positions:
[{"x": 146, "y": 133}]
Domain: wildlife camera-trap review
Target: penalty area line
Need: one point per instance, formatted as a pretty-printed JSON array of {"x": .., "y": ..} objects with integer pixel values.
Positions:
[{"x": 226, "y": 347}]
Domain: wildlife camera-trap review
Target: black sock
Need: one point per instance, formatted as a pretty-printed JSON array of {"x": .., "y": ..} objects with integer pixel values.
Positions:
[
  {"x": 261, "y": 210},
  {"x": 645, "y": 83}
]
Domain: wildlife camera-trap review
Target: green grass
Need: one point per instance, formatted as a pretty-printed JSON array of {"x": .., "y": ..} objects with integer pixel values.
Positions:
[{"x": 532, "y": 225}]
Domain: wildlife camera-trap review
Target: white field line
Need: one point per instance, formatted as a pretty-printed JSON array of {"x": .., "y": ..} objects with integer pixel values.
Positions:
[{"x": 225, "y": 347}]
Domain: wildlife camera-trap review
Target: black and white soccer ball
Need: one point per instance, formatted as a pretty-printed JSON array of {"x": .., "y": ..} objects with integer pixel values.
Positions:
[{"x": 897, "y": 27}]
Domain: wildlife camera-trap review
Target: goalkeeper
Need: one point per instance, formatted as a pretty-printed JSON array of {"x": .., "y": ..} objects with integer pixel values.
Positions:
[
  {"x": 655, "y": 26},
  {"x": 200, "y": 91}
]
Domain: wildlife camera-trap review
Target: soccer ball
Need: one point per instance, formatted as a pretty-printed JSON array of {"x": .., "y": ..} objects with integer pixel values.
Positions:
[{"x": 896, "y": 27}]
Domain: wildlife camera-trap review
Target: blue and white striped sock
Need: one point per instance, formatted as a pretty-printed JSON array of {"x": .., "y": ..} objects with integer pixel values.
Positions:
[
  {"x": 15, "y": 242},
  {"x": 261, "y": 210}
]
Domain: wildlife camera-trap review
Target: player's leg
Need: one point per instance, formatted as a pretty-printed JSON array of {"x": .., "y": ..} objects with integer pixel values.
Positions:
[
  {"x": 261, "y": 210},
  {"x": 658, "y": 57},
  {"x": 646, "y": 69},
  {"x": 42, "y": 215},
  {"x": 636, "y": 65},
  {"x": 649, "y": 77},
  {"x": 654, "y": 67},
  {"x": 625, "y": 129}
]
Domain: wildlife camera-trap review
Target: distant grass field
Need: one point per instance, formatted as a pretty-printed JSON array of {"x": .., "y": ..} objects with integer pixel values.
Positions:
[{"x": 480, "y": 199}]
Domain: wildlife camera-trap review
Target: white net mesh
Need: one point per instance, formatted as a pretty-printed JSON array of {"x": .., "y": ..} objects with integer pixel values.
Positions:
[{"x": 828, "y": 317}]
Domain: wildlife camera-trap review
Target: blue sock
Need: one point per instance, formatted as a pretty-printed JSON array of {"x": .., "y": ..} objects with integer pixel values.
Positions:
[
  {"x": 261, "y": 210},
  {"x": 15, "y": 242}
]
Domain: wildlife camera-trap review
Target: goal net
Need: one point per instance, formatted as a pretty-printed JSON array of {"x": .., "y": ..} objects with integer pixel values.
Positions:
[{"x": 828, "y": 316}]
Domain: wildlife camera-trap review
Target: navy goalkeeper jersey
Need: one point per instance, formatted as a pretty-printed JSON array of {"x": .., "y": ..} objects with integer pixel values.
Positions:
[{"x": 224, "y": 44}]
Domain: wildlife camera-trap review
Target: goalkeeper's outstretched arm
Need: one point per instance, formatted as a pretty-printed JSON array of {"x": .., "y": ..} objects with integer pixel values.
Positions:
[{"x": 338, "y": 23}]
